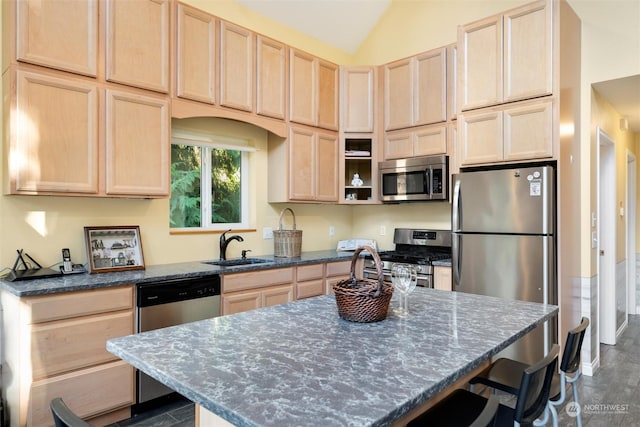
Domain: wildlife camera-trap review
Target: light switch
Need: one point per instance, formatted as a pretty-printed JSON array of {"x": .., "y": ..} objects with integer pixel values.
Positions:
[{"x": 594, "y": 239}]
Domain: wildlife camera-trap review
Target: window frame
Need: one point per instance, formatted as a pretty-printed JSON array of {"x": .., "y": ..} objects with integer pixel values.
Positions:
[{"x": 207, "y": 143}]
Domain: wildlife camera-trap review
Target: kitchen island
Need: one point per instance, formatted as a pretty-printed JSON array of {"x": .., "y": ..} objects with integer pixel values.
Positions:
[{"x": 299, "y": 364}]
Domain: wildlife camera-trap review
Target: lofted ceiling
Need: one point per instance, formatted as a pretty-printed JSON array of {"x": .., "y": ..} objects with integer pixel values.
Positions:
[{"x": 345, "y": 24}]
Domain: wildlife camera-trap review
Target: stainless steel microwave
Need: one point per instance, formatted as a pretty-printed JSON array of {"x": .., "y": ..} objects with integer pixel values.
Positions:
[{"x": 414, "y": 179}]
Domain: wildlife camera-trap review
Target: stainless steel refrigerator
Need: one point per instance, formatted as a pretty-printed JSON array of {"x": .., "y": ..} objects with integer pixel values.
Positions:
[{"x": 504, "y": 243}]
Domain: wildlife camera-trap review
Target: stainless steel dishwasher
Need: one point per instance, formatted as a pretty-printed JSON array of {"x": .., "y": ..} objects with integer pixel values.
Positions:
[{"x": 169, "y": 303}]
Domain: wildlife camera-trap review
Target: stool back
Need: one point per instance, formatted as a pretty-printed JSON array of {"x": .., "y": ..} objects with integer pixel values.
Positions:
[
  {"x": 535, "y": 388},
  {"x": 571, "y": 355}
]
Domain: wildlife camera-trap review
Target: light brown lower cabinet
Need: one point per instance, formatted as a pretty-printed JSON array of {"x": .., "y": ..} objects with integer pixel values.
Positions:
[
  {"x": 263, "y": 288},
  {"x": 55, "y": 346},
  {"x": 442, "y": 278}
]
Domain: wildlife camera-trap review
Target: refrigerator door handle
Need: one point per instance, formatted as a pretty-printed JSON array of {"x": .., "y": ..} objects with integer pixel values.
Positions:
[
  {"x": 456, "y": 259},
  {"x": 456, "y": 212}
]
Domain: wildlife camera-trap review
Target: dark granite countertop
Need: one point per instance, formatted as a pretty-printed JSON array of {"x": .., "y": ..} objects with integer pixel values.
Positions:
[
  {"x": 442, "y": 263},
  {"x": 299, "y": 364},
  {"x": 153, "y": 273}
]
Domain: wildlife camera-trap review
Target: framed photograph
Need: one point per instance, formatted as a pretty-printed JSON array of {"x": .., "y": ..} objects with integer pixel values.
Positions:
[{"x": 113, "y": 248}]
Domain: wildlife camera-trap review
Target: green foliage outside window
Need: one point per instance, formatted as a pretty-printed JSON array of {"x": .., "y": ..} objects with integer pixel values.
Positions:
[{"x": 188, "y": 173}]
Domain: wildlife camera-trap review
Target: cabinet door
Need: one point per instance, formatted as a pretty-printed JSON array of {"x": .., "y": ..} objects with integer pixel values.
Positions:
[
  {"x": 308, "y": 289},
  {"x": 357, "y": 92},
  {"x": 527, "y": 36},
  {"x": 61, "y": 34},
  {"x": 430, "y": 140},
  {"x": 87, "y": 392},
  {"x": 327, "y": 95},
  {"x": 528, "y": 131},
  {"x": 398, "y": 145},
  {"x": 137, "y": 144},
  {"x": 195, "y": 50},
  {"x": 480, "y": 137},
  {"x": 326, "y": 167},
  {"x": 302, "y": 88},
  {"x": 138, "y": 43},
  {"x": 271, "y": 82},
  {"x": 480, "y": 63},
  {"x": 301, "y": 164},
  {"x": 58, "y": 136},
  {"x": 398, "y": 104},
  {"x": 236, "y": 67},
  {"x": 241, "y": 301},
  {"x": 277, "y": 295},
  {"x": 430, "y": 87},
  {"x": 442, "y": 278}
]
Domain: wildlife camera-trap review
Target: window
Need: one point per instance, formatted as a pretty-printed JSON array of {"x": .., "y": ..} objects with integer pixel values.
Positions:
[{"x": 208, "y": 184}]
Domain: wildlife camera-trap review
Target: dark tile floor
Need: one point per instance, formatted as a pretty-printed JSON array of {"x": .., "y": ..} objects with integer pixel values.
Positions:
[{"x": 610, "y": 398}]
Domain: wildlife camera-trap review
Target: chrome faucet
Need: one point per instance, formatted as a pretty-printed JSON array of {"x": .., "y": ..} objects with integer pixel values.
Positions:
[{"x": 224, "y": 242}]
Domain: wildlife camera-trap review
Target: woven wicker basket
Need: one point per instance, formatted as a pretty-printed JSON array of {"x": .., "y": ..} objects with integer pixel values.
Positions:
[
  {"x": 363, "y": 300},
  {"x": 287, "y": 243}
]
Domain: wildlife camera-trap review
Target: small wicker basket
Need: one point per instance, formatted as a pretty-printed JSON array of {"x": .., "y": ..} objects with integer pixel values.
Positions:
[
  {"x": 287, "y": 243},
  {"x": 363, "y": 300}
]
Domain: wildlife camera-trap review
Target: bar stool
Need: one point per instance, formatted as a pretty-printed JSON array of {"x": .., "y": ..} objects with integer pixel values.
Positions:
[
  {"x": 64, "y": 417},
  {"x": 503, "y": 374},
  {"x": 463, "y": 408}
]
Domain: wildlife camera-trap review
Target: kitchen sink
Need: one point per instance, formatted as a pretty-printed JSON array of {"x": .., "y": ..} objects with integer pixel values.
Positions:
[{"x": 236, "y": 261}]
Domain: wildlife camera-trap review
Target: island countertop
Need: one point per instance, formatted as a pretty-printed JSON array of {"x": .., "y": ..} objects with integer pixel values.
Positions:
[{"x": 299, "y": 364}]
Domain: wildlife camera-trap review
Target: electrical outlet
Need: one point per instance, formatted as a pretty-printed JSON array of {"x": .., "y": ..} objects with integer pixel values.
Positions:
[
  {"x": 332, "y": 230},
  {"x": 383, "y": 230},
  {"x": 267, "y": 233}
]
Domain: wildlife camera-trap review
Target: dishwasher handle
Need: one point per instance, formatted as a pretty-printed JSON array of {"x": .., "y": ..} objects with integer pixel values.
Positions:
[{"x": 175, "y": 290}]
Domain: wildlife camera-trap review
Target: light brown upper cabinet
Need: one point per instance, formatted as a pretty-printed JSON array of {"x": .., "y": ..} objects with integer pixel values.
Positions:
[
  {"x": 523, "y": 131},
  {"x": 415, "y": 90},
  {"x": 507, "y": 57},
  {"x": 137, "y": 144},
  {"x": 195, "y": 55},
  {"x": 237, "y": 55},
  {"x": 271, "y": 77},
  {"x": 313, "y": 91},
  {"x": 310, "y": 158},
  {"x": 357, "y": 88},
  {"x": 138, "y": 43},
  {"x": 419, "y": 141},
  {"x": 61, "y": 34},
  {"x": 54, "y": 145},
  {"x": 313, "y": 168}
]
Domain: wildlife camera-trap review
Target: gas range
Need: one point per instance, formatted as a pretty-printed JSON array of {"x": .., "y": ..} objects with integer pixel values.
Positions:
[{"x": 417, "y": 247}]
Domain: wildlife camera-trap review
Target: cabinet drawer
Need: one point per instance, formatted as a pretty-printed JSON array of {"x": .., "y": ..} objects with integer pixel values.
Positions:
[
  {"x": 339, "y": 268},
  {"x": 309, "y": 289},
  {"x": 59, "y": 347},
  {"x": 309, "y": 272},
  {"x": 256, "y": 279},
  {"x": 87, "y": 392},
  {"x": 67, "y": 305}
]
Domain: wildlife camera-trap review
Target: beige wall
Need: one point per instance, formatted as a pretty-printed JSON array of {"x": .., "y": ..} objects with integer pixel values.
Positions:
[
  {"x": 610, "y": 50},
  {"x": 605, "y": 116},
  {"x": 42, "y": 225}
]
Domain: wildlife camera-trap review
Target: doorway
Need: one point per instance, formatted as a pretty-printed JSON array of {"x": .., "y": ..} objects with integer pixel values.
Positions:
[
  {"x": 606, "y": 193},
  {"x": 631, "y": 233}
]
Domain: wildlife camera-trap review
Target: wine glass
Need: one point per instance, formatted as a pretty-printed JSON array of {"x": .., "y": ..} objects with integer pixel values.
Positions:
[{"x": 404, "y": 279}]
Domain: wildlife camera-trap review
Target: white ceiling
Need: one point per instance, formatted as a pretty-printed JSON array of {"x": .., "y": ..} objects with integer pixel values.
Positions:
[{"x": 345, "y": 24}]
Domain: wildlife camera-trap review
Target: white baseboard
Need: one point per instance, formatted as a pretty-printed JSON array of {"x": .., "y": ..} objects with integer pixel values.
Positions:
[{"x": 589, "y": 369}]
